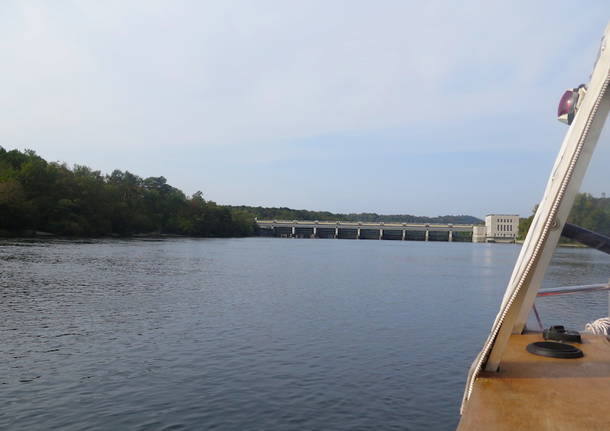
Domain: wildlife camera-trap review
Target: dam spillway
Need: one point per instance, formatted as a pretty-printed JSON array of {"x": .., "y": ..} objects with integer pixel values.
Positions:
[{"x": 372, "y": 230}]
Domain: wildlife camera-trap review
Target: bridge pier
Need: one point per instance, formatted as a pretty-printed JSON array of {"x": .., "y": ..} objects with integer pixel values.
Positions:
[{"x": 368, "y": 230}]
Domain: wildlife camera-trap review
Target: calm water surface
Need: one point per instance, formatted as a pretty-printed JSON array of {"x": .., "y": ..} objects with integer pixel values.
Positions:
[{"x": 257, "y": 333}]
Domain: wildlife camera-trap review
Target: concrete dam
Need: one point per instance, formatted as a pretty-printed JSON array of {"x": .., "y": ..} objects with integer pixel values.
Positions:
[{"x": 372, "y": 230}]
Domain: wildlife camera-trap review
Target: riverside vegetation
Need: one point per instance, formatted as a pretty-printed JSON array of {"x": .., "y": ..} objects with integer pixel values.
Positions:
[
  {"x": 292, "y": 214},
  {"x": 41, "y": 196},
  {"x": 588, "y": 211},
  {"x": 36, "y": 195}
]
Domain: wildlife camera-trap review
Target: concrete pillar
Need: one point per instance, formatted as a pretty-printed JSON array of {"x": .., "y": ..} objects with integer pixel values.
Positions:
[
  {"x": 404, "y": 234},
  {"x": 450, "y": 236},
  {"x": 380, "y": 233},
  {"x": 358, "y": 234},
  {"x": 427, "y": 234},
  {"x": 294, "y": 229}
]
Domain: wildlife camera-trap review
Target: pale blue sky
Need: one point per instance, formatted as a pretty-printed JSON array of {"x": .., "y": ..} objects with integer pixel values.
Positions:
[{"x": 425, "y": 108}]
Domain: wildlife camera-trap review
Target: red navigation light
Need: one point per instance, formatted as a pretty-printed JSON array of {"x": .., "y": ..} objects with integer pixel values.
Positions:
[
  {"x": 567, "y": 106},
  {"x": 569, "y": 103},
  {"x": 566, "y": 103}
]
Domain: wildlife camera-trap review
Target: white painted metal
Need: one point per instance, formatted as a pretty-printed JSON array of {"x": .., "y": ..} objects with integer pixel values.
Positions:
[
  {"x": 566, "y": 290},
  {"x": 562, "y": 187}
]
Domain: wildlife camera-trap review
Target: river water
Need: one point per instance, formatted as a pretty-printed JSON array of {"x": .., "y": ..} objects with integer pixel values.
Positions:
[{"x": 255, "y": 333}]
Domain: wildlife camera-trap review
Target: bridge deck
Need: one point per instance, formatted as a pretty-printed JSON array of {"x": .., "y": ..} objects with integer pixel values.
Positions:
[{"x": 365, "y": 225}]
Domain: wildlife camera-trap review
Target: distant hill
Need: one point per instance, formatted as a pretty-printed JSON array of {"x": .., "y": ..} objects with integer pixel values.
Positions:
[{"x": 283, "y": 213}]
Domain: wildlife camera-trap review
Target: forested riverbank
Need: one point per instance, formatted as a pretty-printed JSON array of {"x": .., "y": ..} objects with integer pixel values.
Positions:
[
  {"x": 36, "y": 195},
  {"x": 41, "y": 197}
]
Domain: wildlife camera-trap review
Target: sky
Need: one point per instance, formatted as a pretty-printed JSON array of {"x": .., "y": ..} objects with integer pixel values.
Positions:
[{"x": 395, "y": 107}]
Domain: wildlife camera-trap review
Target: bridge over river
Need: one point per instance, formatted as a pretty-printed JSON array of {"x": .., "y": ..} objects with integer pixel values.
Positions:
[{"x": 371, "y": 230}]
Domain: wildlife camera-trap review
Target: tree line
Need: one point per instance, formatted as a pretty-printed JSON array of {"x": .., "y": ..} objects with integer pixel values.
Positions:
[
  {"x": 41, "y": 196},
  {"x": 590, "y": 212},
  {"x": 36, "y": 195},
  {"x": 282, "y": 213}
]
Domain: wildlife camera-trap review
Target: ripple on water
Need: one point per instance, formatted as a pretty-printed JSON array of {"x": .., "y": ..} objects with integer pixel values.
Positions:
[{"x": 253, "y": 333}]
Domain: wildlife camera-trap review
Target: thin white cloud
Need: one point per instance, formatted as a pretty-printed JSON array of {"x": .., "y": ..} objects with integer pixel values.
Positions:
[{"x": 80, "y": 78}]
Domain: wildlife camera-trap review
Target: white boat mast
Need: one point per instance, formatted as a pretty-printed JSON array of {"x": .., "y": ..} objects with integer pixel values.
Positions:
[{"x": 562, "y": 187}]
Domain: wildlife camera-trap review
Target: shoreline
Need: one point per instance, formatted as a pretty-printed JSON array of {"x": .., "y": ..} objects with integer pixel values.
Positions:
[{"x": 48, "y": 235}]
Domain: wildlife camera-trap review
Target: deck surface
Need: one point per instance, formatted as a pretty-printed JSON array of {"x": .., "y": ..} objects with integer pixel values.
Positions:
[{"x": 532, "y": 392}]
